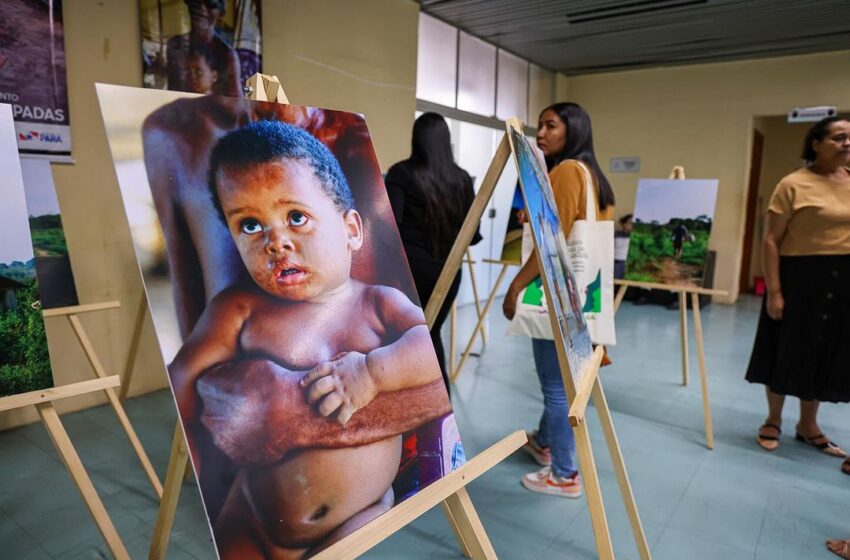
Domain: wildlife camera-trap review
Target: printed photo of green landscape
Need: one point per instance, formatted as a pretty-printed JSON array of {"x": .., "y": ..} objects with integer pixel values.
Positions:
[
  {"x": 672, "y": 227},
  {"x": 24, "y": 361}
]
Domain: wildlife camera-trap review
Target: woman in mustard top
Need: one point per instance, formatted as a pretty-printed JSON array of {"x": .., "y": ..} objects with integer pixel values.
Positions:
[
  {"x": 564, "y": 135},
  {"x": 802, "y": 347}
]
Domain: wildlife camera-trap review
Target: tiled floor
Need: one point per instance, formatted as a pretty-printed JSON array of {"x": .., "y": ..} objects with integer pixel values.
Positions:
[{"x": 734, "y": 502}]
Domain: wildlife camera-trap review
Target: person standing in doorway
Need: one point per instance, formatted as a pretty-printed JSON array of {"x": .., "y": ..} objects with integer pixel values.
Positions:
[
  {"x": 430, "y": 197},
  {"x": 802, "y": 347},
  {"x": 565, "y": 137}
]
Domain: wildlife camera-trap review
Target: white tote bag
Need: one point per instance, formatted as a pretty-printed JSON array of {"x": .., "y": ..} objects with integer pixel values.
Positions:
[
  {"x": 532, "y": 315},
  {"x": 590, "y": 249}
]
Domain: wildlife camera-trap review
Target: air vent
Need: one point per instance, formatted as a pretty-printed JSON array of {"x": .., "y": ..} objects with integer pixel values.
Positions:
[{"x": 628, "y": 9}]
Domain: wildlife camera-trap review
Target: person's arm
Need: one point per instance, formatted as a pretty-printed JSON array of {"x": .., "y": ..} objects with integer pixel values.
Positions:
[
  {"x": 213, "y": 341},
  {"x": 342, "y": 387},
  {"x": 780, "y": 208},
  {"x": 776, "y": 224},
  {"x": 254, "y": 429},
  {"x": 570, "y": 194},
  {"x": 166, "y": 175},
  {"x": 527, "y": 274},
  {"x": 231, "y": 76}
]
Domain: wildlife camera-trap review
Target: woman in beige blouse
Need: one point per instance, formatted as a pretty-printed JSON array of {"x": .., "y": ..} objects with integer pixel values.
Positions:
[{"x": 802, "y": 347}]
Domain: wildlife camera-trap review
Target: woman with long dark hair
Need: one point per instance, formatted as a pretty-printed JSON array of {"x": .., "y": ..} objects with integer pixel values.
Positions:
[
  {"x": 802, "y": 346},
  {"x": 430, "y": 197},
  {"x": 565, "y": 137}
]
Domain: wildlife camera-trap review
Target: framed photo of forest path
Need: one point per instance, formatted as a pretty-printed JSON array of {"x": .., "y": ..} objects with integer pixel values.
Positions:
[{"x": 667, "y": 251}]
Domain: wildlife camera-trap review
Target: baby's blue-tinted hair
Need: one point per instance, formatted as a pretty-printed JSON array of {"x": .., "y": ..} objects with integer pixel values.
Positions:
[{"x": 267, "y": 141}]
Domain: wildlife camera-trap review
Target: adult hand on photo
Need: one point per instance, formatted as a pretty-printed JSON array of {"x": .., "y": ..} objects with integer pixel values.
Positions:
[
  {"x": 341, "y": 386},
  {"x": 242, "y": 418},
  {"x": 775, "y": 305}
]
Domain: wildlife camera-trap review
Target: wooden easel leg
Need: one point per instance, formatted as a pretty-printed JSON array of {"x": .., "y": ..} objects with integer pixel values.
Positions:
[
  {"x": 601, "y": 404},
  {"x": 135, "y": 442},
  {"x": 69, "y": 456},
  {"x": 593, "y": 492},
  {"x": 480, "y": 321},
  {"x": 683, "y": 320},
  {"x": 455, "y": 525},
  {"x": 177, "y": 464},
  {"x": 703, "y": 377},
  {"x": 474, "y": 538},
  {"x": 114, "y": 400},
  {"x": 127, "y": 378},
  {"x": 474, "y": 281},
  {"x": 618, "y": 299}
]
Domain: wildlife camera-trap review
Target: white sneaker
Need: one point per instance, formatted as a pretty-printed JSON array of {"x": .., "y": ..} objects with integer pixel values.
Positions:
[{"x": 545, "y": 482}]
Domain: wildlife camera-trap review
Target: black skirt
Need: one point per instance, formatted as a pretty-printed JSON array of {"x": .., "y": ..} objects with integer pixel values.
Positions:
[{"x": 807, "y": 353}]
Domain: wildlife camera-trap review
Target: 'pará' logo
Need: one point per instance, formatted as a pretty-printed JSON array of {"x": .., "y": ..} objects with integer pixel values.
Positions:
[
  {"x": 43, "y": 137},
  {"x": 50, "y": 138}
]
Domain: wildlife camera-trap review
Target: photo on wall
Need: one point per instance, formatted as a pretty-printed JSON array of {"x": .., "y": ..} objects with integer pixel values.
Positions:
[
  {"x": 542, "y": 215},
  {"x": 200, "y": 46},
  {"x": 672, "y": 227},
  {"x": 298, "y": 353},
  {"x": 24, "y": 359},
  {"x": 32, "y": 75}
]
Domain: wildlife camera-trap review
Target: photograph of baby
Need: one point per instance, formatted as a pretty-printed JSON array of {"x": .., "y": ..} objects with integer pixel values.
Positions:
[
  {"x": 542, "y": 215},
  {"x": 304, "y": 375}
]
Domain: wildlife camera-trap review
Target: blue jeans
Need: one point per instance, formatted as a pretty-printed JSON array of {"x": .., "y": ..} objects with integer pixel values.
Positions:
[{"x": 555, "y": 431}]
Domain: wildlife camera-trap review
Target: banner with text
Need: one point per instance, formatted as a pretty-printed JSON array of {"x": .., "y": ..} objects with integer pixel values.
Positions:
[{"x": 32, "y": 75}]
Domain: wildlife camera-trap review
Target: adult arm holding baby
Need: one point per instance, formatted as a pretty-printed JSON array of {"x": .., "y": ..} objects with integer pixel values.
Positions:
[{"x": 343, "y": 386}]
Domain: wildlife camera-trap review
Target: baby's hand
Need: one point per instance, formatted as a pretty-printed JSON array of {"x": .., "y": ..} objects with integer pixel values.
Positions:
[{"x": 342, "y": 386}]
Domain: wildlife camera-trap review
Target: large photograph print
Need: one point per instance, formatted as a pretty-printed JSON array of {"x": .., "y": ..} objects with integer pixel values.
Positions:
[
  {"x": 32, "y": 75},
  {"x": 542, "y": 215},
  {"x": 672, "y": 227},
  {"x": 200, "y": 46},
  {"x": 24, "y": 361},
  {"x": 298, "y": 354}
]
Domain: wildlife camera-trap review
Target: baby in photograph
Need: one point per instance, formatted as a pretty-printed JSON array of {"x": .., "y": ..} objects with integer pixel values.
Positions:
[{"x": 291, "y": 213}]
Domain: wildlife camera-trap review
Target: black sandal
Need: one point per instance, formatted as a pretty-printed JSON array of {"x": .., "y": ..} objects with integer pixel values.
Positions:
[
  {"x": 765, "y": 442},
  {"x": 825, "y": 446},
  {"x": 845, "y": 466}
]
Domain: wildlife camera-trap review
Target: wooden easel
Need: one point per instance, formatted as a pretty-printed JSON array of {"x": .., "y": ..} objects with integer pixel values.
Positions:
[
  {"x": 591, "y": 384},
  {"x": 129, "y": 367},
  {"x": 43, "y": 403},
  {"x": 682, "y": 292},
  {"x": 480, "y": 324},
  {"x": 72, "y": 314},
  {"x": 449, "y": 491},
  {"x": 479, "y": 330}
]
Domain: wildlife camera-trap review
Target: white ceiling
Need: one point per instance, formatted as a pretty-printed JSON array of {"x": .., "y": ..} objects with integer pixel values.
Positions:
[{"x": 584, "y": 36}]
